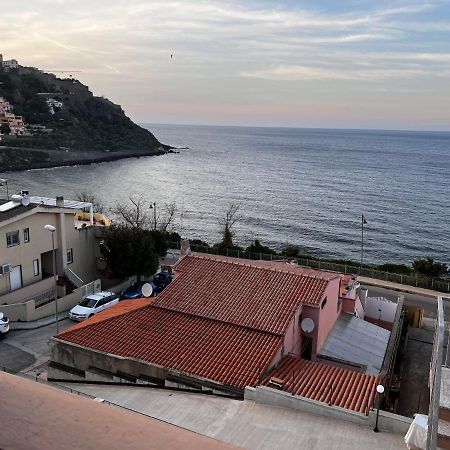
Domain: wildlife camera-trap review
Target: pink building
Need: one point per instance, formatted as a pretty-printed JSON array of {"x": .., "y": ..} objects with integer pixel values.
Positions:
[{"x": 227, "y": 323}]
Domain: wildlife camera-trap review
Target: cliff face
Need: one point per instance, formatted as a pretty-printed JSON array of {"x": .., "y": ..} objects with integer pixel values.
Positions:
[{"x": 66, "y": 124}]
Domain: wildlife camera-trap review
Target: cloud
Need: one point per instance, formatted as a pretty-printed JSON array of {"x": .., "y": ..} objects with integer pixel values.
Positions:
[
  {"x": 305, "y": 73},
  {"x": 223, "y": 46}
]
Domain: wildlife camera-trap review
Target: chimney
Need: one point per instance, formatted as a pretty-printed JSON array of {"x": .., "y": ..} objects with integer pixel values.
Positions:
[
  {"x": 60, "y": 202},
  {"x": 185, "y": 248}
]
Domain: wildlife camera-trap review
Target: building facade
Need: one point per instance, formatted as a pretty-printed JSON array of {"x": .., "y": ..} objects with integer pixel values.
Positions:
[{"x": 26, "y": 250}]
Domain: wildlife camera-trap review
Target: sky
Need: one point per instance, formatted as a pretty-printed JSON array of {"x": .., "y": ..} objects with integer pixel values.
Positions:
[{"x": 316, "y": 63}]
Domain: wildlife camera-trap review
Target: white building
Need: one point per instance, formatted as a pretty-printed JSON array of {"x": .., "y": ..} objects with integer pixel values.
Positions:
[{"x": 10, "y": 64}]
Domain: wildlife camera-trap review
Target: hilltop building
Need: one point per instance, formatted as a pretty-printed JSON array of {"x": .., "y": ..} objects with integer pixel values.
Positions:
[
  {"x": 225, "y": 324},
  {"x": 8, "y": 64}
]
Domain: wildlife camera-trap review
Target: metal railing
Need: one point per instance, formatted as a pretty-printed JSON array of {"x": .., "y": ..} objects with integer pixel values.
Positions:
[
  {"x": 410, "y": 280},
  {"x": 73, "y": 277},
  {"x": 435, "y": 377},
  {"x": 43, "y": 298}
]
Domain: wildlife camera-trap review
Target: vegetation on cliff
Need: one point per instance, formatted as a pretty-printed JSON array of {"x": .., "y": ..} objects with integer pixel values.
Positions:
[{"x": 80, "y": 121}]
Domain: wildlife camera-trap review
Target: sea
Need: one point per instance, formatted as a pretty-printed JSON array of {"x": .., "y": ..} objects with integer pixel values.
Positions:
[{"x": 294, "y": 186}]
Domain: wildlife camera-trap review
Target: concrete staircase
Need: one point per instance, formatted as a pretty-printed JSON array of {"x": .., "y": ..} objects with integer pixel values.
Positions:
[{"x": 444, "y": 411}]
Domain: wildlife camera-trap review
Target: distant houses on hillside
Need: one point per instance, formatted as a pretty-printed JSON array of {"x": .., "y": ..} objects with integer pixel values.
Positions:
[{"x": 13, "y": 125}]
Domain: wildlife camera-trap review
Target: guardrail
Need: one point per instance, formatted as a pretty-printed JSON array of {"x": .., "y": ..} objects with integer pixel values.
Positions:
[
  {"x": 435, "y": 377},
  {"x": 410, "y": 280}
]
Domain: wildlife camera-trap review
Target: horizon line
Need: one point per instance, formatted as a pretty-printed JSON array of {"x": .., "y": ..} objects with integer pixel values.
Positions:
[{"x": 294, "y": 128}]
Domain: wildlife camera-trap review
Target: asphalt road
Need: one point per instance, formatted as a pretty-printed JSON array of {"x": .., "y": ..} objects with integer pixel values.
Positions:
[{"x": 26, "y": 350}]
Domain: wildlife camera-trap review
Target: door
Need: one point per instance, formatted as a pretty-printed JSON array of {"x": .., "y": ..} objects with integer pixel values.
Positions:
[{"x": 15, "y": 278}]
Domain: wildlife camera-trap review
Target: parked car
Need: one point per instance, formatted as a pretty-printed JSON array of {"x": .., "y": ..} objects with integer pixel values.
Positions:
[
  {"x": 93, "y": 304},
  {"x": 135, "y": 290},
  {"x": 4, "y": 325},
  {"x": 161, "y": 280}
]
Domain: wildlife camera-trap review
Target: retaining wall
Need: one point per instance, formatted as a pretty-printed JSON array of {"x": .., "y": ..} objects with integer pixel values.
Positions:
[{"x": 273, "y": 397}]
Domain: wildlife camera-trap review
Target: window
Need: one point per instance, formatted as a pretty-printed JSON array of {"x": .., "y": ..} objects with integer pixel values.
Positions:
[
  {"x": 12, "y": 238},
  {"x": 69, "y": 256},
  {"x": 26, "y": 235},
  {"x": 36, "y": 267},
  {"x": 324, "y": 303}
]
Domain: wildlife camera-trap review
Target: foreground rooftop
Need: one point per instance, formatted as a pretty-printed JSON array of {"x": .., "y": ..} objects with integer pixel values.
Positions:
[{"x": 37, "y": 416}]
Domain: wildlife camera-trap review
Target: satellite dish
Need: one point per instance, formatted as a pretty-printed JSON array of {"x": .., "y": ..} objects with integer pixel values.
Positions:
[
  {"x": 147, "y": 290},
  {"x": 307, "y": 325},
  {"x": 25, "y": 200}
]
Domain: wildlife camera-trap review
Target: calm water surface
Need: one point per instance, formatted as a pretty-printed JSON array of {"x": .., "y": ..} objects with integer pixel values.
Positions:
[{"x": 303, "y": 186}]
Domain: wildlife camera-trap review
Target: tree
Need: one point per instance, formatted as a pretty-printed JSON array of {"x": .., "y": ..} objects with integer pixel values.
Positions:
[
  {"x": 85, "y": 196},
  {"x": 135, "y": 215},
  {"x": 231, "y": 218},
  {"x": 429, "y": 267},
  {"x": 257, "y": 247},
  {"x": 168, "y": 216},
  {"x": 129, "y": 251},
  {"x": 138, "y": 213},
  {"x": 291, "y": 251},
  {"x": 395, "y": 268},
  {"x": 5, "y": 129},
  {"x": 160, "y": 241}
]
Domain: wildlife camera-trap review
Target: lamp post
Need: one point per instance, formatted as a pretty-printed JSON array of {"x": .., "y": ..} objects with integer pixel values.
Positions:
[
  {"x": 4, "y": 182},
  {"x": 380, "y": 390},
  {"x": 363, "y": 222},
  {"x": 52, "y": 230},
  {"x": 153, "y": 206}
]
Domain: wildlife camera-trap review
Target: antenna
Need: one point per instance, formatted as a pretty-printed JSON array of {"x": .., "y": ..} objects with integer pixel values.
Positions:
[
  {"x": 25, "y": 200},
  {"x": 147, "y": 290},
  {"x": 307, "y": 325}
]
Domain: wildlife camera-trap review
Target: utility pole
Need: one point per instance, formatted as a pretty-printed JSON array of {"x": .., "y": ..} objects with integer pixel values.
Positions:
[{"x": 363, "y": 222}]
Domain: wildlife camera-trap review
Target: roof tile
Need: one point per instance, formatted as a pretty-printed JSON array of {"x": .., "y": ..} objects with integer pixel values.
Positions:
[
  {"x": 251, "y": 294},
  {"x": 325, "y": 383},
  {"x": 213, "y": 350}
]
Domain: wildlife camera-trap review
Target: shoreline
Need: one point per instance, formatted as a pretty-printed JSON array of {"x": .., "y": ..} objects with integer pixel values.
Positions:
[{"x": 83, "y": 159}]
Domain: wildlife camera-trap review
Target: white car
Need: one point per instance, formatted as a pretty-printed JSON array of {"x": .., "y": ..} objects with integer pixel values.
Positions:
[
  {"x": 4, "y": 325},
  {"x": 93, "y": 304}
]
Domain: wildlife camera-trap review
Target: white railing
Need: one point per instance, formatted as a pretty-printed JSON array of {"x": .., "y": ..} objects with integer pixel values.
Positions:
[
  {"x": 73, "y": 278},
  {"x": 435, "y": 377}
]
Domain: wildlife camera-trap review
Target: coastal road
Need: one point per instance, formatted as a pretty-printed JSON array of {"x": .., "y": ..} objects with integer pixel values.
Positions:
[{"x": 428, "y": 304}]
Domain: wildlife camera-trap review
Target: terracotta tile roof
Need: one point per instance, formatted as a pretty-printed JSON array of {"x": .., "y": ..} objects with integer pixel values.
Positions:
[
  {"x": 325, "y": 383},
  {"x": 217, "y": 351},
  {"x": 241, "y": 292},
  {"x": 60, "y": 420},
  {"x": 120, "y": 308}
]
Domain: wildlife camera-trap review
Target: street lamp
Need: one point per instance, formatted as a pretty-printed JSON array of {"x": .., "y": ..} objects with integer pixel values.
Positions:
[
  {"x": 380, "y": 390},
  {"x": 363, "y": 222},
  {"x": 52, "y": 230},
  {"x": 153, "y": 206},
  {"x": 4, "y": 182}
]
